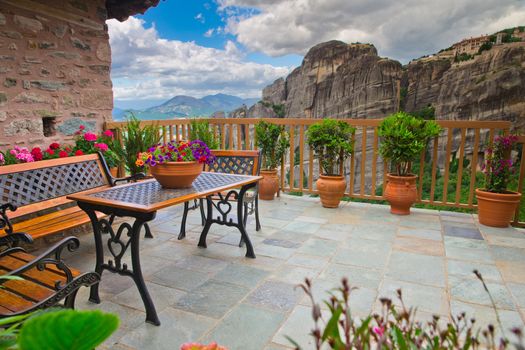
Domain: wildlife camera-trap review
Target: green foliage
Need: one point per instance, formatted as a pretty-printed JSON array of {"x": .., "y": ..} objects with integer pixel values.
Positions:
[
  {"x": 485, "y": 47},
  {"x": 58, "y": 329},
  {"x": 279, "y": 109},
  {"x": 273, "y": 141},
  {"x": 463, "y": 57},
  {"x": 396, "y": 326},
  {"x": 508, "y": 38},
  {"x": 200, "y": 130},
  {"x": 403, "y": 138},
  {"x": 331, "y": 141},
  {"x": 402, "y": 97},
  {"x": 136, "y": 139},
  {"x": 426, "y": 113},
  {"x": 499, "y": 166}
]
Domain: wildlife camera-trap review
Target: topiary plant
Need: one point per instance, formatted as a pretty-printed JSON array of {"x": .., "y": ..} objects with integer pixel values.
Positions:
[
  {"x": 403, "y": 138},
  {"x": 273, "y": 141},
  {"x": 331, "y": 141}
]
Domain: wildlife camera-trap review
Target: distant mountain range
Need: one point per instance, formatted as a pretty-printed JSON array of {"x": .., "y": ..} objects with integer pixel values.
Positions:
[{"x": 186, "y": 106}]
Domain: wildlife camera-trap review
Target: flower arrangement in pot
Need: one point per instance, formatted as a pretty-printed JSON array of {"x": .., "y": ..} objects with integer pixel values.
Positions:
[
  {"x": 176, "y": 164},
  {"x": 331, "y": 141},
  {"x": 273, "y": 141},
  {"x": 496, "y": 204},
  {"x": 403, "y": 138}
]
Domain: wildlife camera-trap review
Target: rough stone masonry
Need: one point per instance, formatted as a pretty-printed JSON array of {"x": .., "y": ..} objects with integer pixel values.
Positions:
[{"x": 55, "y": 63}]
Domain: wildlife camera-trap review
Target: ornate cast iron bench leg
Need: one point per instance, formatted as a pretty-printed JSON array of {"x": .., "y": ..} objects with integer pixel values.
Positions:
[
  {"x": 117, "y": 248},
  {"x": 224, "y": 207}
]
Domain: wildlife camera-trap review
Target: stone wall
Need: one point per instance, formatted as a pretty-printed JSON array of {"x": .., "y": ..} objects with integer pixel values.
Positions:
[{"x": 55, "y": 63}]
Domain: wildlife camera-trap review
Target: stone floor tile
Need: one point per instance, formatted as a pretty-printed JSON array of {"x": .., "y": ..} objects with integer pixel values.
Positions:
[
  {"x": 485, "y": 315},
  {"x": 275, "y": 295},
  {"x": 320, "y": 247},
  {"x": 246, "y": 327},
  {"x": 419, "y": 246},
  {"x": 171, "y": 251},
  {"x": 467, "y": 249},
  {"x": 357, "y": 276},
  {"x": 297, "y": 327},
  {"x": 162, "y": 295},
  {"x": 506, "y": 241},
  {"x": 299, "y": 237},
  {"x": 419, "y": 232},
  {"x": 202, "y": 264},
  {"x": 175, "y": 277},
  {"x": 417, "y": 268},
  {"x": 311, "y": 219},
  {"x": 508, "y": 254},
  {"x": 364, "y": 252},
  {"x": 129, "y": 317},
  {"x": 426, "y": 298},
  {"x": 274, "y": 251},
  {"x": 466, "y": 268},
  {"x": 272, "y": 222},
  {"x": 334, "y": 235},
  {"x": 241, "y": 275},
  {"x": 449, "y": 219},
  {"x": 294, "y": 274},
  {"x": 310, "y": 261},
  {"x": 281, "y": 243},
  {"x": 380, "y": 232},
  {"x": 518, "y": 291},
  {"x": 454, "y": 230},
  {"x": 302, "y": 226},
  {"x": 472, "y": 291},
  {"x": 511, "y": 271},
  {"x": 212, "y": 298},
  {"x": 177, "y": 327}
]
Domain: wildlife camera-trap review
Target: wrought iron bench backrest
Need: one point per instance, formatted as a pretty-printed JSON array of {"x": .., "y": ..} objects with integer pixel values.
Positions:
[
  {"x": 44, "y": 184},
  {"x": 245, "y": 162}
]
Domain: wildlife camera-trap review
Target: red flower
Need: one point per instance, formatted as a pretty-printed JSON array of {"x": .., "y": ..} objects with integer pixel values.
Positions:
[
  {"x": 63, "y": 154},
  {"x": 54, "y": 145},
  {"x": 79, "y": 153},
  {"x": 37, "y": 154},
  {"x": 108, "y": 133},
  {"x": 50, "y": 151},
  {"x": 89, "y": 136},
  {"x": 81, "y": 127}
]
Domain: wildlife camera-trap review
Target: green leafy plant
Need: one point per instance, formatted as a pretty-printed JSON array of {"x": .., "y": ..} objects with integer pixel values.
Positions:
[
  {"x": 396, "y": 326},
  {"x": 136, "y": 139},
  {"x": 331, "y": 141},
  {"x": 200, "y": 130},
  {"x": 273, "y": 141},
  {"x": 403, "y": 138},
  {"x": 57, "y": 329},
  {"x": 499, "y": 167}
]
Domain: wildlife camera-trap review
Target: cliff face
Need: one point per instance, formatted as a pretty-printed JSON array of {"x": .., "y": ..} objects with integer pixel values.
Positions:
[
  {"x": 340, "y": 81},
  {"x": 350, "y": 81}
]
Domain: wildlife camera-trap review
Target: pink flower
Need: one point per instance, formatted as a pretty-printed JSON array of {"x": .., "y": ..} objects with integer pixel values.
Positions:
[
  {"x": 89, "y": 136},
  {"x": 379, "y": 331},
  {"x": 81, "y": 127},
  {"x": 108, "y": 133},
  {"x": 2, "y": 159},
  {"x": 102, "y": 146}
]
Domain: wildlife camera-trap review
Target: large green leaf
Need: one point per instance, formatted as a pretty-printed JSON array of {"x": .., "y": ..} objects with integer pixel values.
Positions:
[{"x": 67, "y": 330}]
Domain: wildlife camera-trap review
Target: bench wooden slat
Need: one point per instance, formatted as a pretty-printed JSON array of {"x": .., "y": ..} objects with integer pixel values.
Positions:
[
  {"x": 21, "y": 226},
  {"x": 28, "y": 289},
  {"x": 47, "y": 277},
  {"x": 28, "y": 257},
  {"x": 13, "y": 302}
]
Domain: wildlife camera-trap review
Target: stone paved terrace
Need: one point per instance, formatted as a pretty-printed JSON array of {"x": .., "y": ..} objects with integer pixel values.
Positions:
[{"x": 216, "y": 294}]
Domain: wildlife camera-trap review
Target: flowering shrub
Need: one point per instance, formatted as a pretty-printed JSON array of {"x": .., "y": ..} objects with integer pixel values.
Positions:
[
  {"x": 193, "y": 151},
  {"x": 396, "y": 328},
  {"x": 198, "y": 346},
  {"x": 22, "y": 154},
  {"x": 498, "y": 165}
]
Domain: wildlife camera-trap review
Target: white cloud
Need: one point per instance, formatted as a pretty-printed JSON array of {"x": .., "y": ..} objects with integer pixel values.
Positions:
[
  {"x": 209, "y": 33},
  {"x": 200, "y": 17},
  {"x": 147, "y": 67},
  {"x": 402, "y": 29}
]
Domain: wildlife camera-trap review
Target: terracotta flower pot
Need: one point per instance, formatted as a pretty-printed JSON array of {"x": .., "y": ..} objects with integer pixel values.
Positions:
[
  {"x": 331, "y": 189},
  {"x": 497, "y": 209},
  {"x": 269, "y": 185},
  {"x": 401, "y": 193},
  {"x": 113, "y": 171},
  {"x": 176, "y": 174}
]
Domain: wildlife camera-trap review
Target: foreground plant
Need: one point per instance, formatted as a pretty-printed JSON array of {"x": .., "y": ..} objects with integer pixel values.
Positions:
[{"x": 396, "y": 327}]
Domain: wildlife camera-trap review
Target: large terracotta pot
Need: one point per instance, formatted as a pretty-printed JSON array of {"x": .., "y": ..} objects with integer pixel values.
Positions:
[
  {"x": 176, "y": 174},
  {"x": 401, "y": 193},
  {"x": 497, "y": 209},
  {"x": 113, "y": 171},
  {"x": 268, "y": 185},
  {"x": 331, "y": 189}
]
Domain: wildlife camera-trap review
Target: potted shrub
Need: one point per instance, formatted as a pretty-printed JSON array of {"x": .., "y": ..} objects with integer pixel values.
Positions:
[
  {"x": 137, "y": 138},
  {"x": 496, "y": 204},
  {"x": 200, "y": 130},
  {"x": 403, "y": 138},
  {"x": 331, "y": 142},
  {"x": 176, "y": 165},
  {"x": 273, "y": 142}
]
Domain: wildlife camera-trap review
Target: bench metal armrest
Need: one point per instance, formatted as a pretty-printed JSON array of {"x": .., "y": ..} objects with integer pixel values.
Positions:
[
  {"x": 15, "y": 238},
  {"x": 127, "y": 179},
  {"x": 52, "y": 256}
]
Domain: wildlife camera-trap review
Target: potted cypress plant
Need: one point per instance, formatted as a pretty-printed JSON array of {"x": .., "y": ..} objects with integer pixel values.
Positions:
[
  {"x": 496, "y": 204},
  {"x": 273, "y": 141},
  {"x": 331, "y": 142},
  {"x": 403, "y": 138}
]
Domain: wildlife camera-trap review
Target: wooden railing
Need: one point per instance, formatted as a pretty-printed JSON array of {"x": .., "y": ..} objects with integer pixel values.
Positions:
[{"x": 448, "y": 169}]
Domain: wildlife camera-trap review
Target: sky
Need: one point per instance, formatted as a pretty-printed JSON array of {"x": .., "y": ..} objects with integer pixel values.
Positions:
[{"x": 237, "y": 47}]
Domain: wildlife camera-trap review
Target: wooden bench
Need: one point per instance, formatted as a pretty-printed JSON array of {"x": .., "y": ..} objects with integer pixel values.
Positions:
[
  {"x": 45, "y": 280},
  {"x": 43, "y": 186}
]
